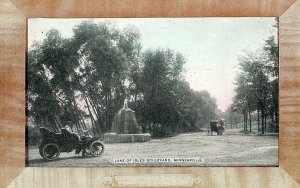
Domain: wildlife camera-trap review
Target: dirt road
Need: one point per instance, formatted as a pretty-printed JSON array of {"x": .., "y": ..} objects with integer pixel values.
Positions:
[{"x": 231, "y": 149}]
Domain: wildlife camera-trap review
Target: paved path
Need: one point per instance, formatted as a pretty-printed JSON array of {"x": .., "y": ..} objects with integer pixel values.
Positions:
[{"x": 231, "y": 149}]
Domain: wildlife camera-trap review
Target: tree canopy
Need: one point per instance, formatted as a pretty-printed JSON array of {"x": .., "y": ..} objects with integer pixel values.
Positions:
[
  {"x": 83, "y": 81},
  {"x": 257, "y": 86}
]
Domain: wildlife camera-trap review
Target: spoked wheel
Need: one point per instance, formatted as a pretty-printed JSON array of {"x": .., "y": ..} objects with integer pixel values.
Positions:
[
  {"x": 96, "y": 148},
  {"x": 49, "y": 151}
]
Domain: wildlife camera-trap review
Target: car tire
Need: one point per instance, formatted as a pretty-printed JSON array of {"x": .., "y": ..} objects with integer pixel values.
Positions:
[
  {"x": 49, "y": 151},
  {"x": 96, "y": 148}
]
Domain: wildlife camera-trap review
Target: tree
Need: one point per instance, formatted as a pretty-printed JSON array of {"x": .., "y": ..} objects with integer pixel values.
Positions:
[
  {"x": 50, "y": 72},
  {"x": 170, "y": 106},
  {"x": 91, "y": 68},
  {"x": 157, "y": 90},
  {"x": 257, "y": 85},
  {"x": 84, "y": 79},
  {"x": 272, "y": 51}
]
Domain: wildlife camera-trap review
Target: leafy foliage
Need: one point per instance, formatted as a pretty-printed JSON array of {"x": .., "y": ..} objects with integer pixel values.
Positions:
[
  {"x": 83, "y": 80},
  {"x": 257, "y": 86}
]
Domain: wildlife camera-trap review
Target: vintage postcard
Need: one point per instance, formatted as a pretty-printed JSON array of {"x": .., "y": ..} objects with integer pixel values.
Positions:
[{"x": 152, "y": 92}]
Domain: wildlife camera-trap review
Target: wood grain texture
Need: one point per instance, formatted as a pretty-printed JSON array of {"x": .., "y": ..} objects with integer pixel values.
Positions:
[
  {"x": 12, "y": 90},
  {"x": 289, "y": 44},
  {"x": 151, "y": 8},
  {"x": 12, "y": 94},
  {"x": 210, "y": 177}
]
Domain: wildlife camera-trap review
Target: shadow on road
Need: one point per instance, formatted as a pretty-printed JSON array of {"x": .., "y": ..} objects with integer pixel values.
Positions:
[{"x": 41, "y": 160}]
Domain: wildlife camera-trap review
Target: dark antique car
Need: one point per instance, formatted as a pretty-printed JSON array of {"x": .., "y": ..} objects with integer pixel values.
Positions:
[
  {"x": 216, "y": 126},
  {"x": 67, "y": 141}
]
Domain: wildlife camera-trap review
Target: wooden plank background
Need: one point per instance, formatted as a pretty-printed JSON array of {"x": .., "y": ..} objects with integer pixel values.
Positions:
[
  {"x": 12, "y": 89},
  {"x": 289, "y": 91},
  {"x": 151, "y": 8}
]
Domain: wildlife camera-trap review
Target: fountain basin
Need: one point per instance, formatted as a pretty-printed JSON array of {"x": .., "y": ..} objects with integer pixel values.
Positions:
[{"x": 126, "y": 138}]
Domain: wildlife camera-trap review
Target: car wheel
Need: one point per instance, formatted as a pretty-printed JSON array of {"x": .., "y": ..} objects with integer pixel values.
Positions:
[
  {"x": 49, "y": 151},
  {"x": 96, "y": 148}
]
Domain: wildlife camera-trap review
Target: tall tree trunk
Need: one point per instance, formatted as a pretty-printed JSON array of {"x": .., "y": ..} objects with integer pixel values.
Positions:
[
  {"x": 149, "y": 128},
  {"x": 78, "y": 126},
  {"x": 250, "y": 123},
  {"x": 93, "y": 122},
  {"x": 276, "y": 121},
  {"x": 258, "y": 119},
  {"x": 55, "y": 122},
  {"x": 106, "y": 113},
  {"x": 143, "y": 127},
  {"x": 273, "y": 121},
  {"x": 244, "y": 122},
  {"x": 95, "y": 109},
  {"x": 230, "y": 120},
  {"x": 265, "y": 123},
  {"x": 52, "y": 123},
  {"x": 57, "y": 119},
  {"x": 97, "y": 112},
  {"x": 163, "y": 129},
  {"x": 262, "y": 121},
  {"x": 246, "y": 115}
]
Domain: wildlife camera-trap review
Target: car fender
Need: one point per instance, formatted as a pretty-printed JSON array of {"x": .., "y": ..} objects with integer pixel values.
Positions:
[{"x": 92, "y": 140}]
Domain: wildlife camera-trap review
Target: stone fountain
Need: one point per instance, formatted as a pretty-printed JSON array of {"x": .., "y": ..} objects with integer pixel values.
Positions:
[
  {"x": 125, "y": 121},
  {"x": 125, "y": 128}
]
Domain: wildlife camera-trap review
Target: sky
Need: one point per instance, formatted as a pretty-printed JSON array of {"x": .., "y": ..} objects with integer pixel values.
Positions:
[{"x": 211, "y": 46}]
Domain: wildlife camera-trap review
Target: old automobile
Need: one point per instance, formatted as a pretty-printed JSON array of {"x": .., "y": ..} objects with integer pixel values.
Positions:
[
  {"x": 67, "y": 141},
  {"x": 217, "y": 126}
]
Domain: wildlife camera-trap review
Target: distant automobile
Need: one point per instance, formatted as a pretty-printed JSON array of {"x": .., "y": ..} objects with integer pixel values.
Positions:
[{"x": 217, "y": 126}]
